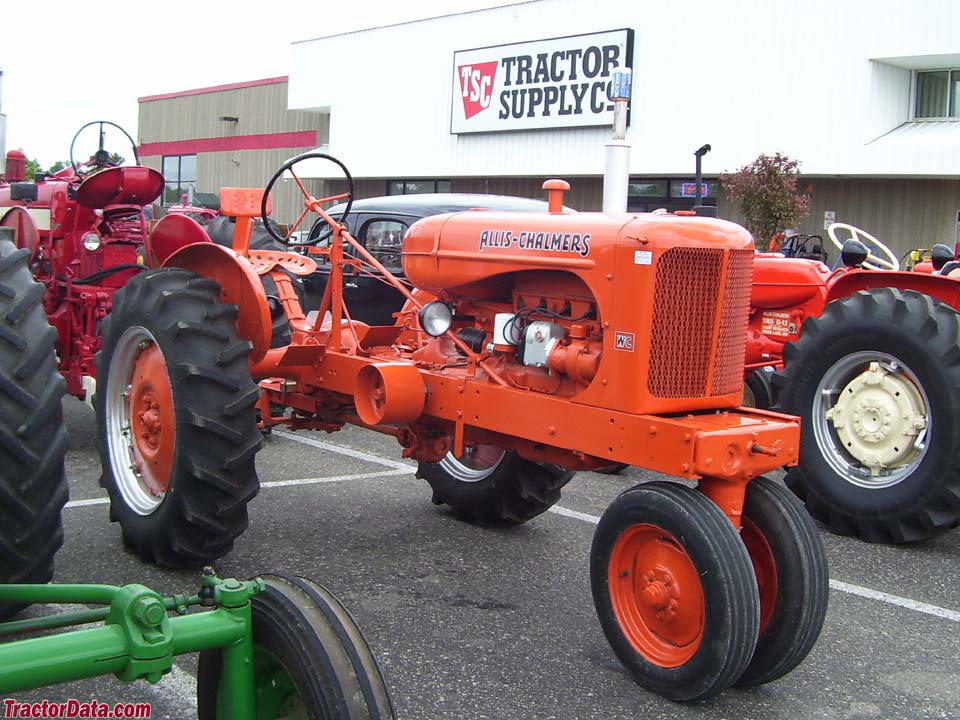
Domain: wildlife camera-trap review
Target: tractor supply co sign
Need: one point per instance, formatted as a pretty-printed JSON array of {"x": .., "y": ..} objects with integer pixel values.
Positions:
[{"x": 562, "y": 82}]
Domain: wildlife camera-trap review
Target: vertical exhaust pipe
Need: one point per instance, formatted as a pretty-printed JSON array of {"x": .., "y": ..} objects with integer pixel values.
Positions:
[{"x": 616, "y": 173}]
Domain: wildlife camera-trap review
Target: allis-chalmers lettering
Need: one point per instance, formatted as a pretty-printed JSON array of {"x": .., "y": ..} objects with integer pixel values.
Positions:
[
  {"x": 562, "y": 69},
  {"x": 556, "y": 242}
]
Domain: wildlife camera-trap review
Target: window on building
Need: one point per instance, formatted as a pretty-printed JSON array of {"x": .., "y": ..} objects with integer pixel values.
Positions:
[
  {"x": 179, "y": 175},
  {"x": 937, "y": 94},
  {"x": 647, "y": 188},
  {"x": 415, "y": 187},
  {"x": 688, "y": 189}
]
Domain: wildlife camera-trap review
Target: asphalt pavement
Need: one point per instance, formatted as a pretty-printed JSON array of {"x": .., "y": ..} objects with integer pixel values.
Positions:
[{"x": 473, "y": 623}]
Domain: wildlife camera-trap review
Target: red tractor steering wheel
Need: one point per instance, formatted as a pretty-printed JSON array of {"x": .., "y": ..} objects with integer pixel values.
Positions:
[
  {"x": 309, "y": 203},
  {"x": 101, "y": 158}
]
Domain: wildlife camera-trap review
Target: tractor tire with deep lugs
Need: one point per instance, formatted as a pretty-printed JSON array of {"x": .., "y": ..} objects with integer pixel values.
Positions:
[
  {"x": 310, "y": 659},
  {"x": 875, "y": 380},
  {"x": 33, "y": 439},
  {"x": 507, "y": 490},
  {"x": 176, "y": 419}
]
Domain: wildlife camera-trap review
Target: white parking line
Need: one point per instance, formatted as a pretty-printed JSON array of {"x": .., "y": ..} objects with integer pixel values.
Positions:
[
  {"x": 838, "y": 585},
  {"x": 349, "y": 452},
  {"x": 400, "y": 468}
]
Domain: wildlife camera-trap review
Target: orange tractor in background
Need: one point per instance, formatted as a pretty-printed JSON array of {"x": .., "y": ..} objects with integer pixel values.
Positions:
[
  {"x": 869, "y": 359},
  {"x": 543, "y": 342}
]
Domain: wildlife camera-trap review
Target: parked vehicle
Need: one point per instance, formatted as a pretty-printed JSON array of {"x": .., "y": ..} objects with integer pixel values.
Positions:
[
  {"x": 571, "y": 340},
  {"x": 869, "y": 359}
]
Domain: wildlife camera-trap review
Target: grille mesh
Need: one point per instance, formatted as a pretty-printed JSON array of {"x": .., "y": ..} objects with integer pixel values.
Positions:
[
  {"x": 684, "y": 307},
  {"x": 728, "y": 366}
]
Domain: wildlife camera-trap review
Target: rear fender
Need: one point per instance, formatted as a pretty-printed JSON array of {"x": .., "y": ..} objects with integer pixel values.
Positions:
[
  {"x": 171, "y": 233},
  {"x": 23, "y": 224},
  {"x": 944, "y": 289},
  {"x": 239, "y": 285}
]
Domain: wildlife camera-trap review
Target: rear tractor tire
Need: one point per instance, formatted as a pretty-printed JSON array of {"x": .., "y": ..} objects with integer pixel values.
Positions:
[
  {"x": 675, "y": 591},
  {"x": 176, "y": 420},
  {"x": 490, "y": 486},
  {"x": 310, "y": 660},
  {"x": 33, "y": 439},
  {"x": 876, "y": 382}
]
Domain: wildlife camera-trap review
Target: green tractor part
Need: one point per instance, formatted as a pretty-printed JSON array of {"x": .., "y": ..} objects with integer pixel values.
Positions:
[{"x": 271, "y": 647}]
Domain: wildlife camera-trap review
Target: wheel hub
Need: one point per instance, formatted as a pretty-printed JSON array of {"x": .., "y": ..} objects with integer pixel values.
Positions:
[
  {"x": 878, "y": 416},
  {"x": 656, "y": 595}
]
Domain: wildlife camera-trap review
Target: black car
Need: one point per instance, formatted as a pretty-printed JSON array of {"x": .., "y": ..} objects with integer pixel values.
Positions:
[{"x": 379, "y": 224}]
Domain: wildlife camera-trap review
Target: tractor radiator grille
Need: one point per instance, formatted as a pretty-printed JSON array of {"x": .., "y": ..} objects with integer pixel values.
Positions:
[
  {"x": 728, "y": 366},
  {"x": 688, "y": 285},
  {"x": 684, "y": 309}
]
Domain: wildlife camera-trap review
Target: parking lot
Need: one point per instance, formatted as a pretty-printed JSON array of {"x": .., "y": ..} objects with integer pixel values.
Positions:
[{"x": 478, "y": 623}]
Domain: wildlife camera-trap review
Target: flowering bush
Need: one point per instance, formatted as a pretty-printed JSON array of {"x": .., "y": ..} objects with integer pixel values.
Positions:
[{"x": 766, "y": 192}]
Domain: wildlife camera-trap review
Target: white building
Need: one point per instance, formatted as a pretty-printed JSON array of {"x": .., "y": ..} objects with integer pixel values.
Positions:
[{"x": 865, "y": 93}]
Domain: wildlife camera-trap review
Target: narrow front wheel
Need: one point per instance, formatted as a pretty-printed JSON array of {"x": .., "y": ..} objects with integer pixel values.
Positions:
[{"x": 675, "y": 591}]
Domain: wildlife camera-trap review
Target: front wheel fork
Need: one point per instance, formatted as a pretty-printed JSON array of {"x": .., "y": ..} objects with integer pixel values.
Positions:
[{"x": 729, "y": 495}]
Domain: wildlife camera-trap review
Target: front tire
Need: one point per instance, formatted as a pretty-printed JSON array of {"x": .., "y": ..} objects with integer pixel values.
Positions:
[
  {"x": 876, "y": 382},
  {"x": 310, "y": 659},
  {"x": 33, "y": 439},
  {"x": 791, "y": 568},
  {"x": 490, "y": 486},
  {"x": 176, "y": 419},
  {"x": 675, "y": 591}
]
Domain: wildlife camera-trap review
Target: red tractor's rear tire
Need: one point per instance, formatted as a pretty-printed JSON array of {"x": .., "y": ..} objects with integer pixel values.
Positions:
[
  {"x": 791, "y": 568},
  {"x": 33, "y": 439},
  {"x": 914, "y": 342},
  {"x": 180, "y": 477},
  {"x": 510, "y": 491},
  {"x": 675, "y": 591}
]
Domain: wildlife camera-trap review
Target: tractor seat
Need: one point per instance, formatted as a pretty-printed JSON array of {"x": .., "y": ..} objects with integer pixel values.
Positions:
[{"x": 128, "y": 185}]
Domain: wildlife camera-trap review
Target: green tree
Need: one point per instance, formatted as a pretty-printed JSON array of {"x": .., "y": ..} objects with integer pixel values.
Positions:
[
  {"x": 32, "y": 168},
  {"x": 766, "y": 192},
  {"x": 58, "y": 166}
]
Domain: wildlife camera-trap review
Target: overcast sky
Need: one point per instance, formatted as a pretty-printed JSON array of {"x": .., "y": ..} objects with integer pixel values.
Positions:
[{"x": 66, "y": 63}]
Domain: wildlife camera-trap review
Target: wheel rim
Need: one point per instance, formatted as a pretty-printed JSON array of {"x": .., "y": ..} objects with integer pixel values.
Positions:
[
  {"x": 140, "y": 421},
  {"x": 477, "y": 463},
  {"x": 871, "y": 419},
  {"x": 657, "y": 596},
  {"x": 764, "y": 567},
  {"x": 276, "y": 693}
]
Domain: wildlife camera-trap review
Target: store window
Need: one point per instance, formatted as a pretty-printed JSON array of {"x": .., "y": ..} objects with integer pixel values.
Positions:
[
  {"x": 416, "y": 187},
  {"x": 937, "y": 94},
  {"x": 688, "y": 189},
  {"x": 180, "y": 176}
]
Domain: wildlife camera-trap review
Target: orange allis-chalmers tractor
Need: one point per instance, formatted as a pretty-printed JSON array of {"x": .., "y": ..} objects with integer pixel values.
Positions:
[{"x": 532, "y": 345}]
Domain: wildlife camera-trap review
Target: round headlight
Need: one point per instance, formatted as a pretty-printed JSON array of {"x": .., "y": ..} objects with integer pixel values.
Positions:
[
  {"x": 435, "y": 318},
  {"x": 91, "y": 241}
]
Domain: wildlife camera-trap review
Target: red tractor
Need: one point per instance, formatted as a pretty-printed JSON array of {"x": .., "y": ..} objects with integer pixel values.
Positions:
[
  {"x": 869, "y": 359},
  {"x": 532, "y": 345},
  {"x": 85, "y": 230}
]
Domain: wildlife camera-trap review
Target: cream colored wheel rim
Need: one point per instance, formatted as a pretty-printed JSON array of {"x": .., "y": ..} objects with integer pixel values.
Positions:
[{"x": 871, "y": 419}]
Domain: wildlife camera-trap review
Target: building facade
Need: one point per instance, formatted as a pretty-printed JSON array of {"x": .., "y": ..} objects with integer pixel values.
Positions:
[
  {"x": 233, "y": 135},
  {"x": 865, "y": 93}
]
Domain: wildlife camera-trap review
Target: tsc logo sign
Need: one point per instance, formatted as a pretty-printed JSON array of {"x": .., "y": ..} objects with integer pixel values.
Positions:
[
  {"x": 476, "y": 86},
  {"x": 625, "y": 341}
]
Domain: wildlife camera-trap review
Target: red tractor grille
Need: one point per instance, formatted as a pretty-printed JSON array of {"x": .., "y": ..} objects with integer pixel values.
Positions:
[
  {"x": 728, "y": 365},
  {"x": 684, "y": 310}
]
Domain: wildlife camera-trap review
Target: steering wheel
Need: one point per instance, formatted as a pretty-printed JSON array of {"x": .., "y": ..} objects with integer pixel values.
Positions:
[
  {"x": 101, "y": 158},
  {"x": 314, "y": 236},
  {"x": 873, "y": 262}
]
